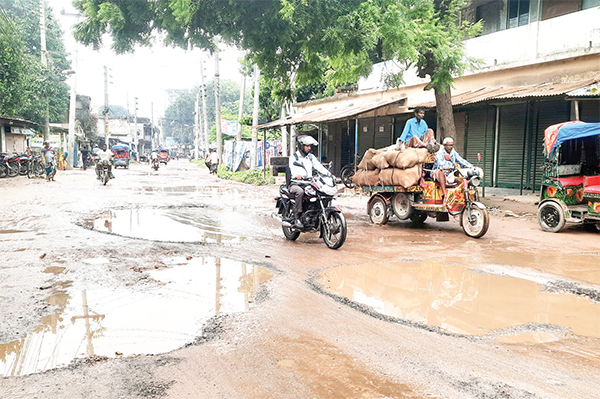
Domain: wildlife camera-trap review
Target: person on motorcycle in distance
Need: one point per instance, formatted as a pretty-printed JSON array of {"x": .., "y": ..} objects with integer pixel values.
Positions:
[
  {"x": 444, "y": 165},
  {"x": 301, "y": 167},
  {"x": 153, "y": 157},
  {"x": 104, "y": 155}
]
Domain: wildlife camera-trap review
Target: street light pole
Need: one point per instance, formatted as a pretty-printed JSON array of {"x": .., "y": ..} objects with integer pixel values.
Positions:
[{"x": 72, "y": 102}]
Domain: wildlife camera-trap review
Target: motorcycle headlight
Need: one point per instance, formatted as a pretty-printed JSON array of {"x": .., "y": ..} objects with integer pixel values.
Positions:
[{"x": 476, "y": 181}]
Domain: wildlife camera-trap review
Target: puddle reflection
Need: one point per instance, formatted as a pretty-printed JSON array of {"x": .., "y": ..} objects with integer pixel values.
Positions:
[
  {"x": 111, "y": 322},
  {"x": 186, "y": 225},
  {"x": 460, "y": 301}
]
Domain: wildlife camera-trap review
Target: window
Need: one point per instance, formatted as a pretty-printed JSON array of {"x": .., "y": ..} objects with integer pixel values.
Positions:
[
  {"x": 490, "y": 14},
  {"x": 518, "y": 13}
]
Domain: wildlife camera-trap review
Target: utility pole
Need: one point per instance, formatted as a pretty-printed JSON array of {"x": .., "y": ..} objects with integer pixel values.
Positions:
[
  {"x": 255, "y": 117},
  {"x": 218, "y": 109},
  {"x": 204, "y": 112},
  {"x": 197, "y": 127},
  {"x": 135, "y": 128},
  {"x": 71, "y": 161},
  {"x": 44, "y": 54},
  {"x": 284, "y": 135},
  {"x": 106, "y": 105},
  {"x": 238, "y": 135}
]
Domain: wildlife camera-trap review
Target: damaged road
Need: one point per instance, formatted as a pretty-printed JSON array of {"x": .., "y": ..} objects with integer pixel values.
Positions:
[{"x": 178, "y": 284}]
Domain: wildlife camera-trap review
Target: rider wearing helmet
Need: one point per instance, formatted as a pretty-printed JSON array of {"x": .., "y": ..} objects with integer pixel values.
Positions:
[{"x": 301, "y": 167}]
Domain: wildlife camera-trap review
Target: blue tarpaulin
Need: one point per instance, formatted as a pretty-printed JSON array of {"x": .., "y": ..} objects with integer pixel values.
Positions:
[{"x": 555, "y": 135}]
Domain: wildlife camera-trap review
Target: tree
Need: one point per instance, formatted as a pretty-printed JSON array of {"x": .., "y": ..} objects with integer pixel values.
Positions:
[
  {"x": 299, "y": 42},
  {"x": 178, "y": 121},
  {"x": 33, "y": 82}
]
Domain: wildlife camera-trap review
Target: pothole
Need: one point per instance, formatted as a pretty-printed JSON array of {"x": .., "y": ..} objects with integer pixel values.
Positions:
[
  {"x": 123, "y": 321},
  {"x": 177, "y": 225},
  {"x": 456, "y": 300}
]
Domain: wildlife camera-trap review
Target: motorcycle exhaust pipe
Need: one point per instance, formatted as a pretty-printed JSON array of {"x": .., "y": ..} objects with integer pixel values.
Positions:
[{"x": 280, "y": 220}]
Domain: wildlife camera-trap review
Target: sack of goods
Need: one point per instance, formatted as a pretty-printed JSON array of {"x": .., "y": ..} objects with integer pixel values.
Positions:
[
  {"x": 367, "y": 162},
  {"x": 366, "y": 177},
  {"x": 406, "y": 158},
  {"x": 401, "y": 177}
]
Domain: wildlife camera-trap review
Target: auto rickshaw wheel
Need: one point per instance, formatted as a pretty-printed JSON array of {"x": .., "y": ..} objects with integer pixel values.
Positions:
[
  {"x": 418, "y": 217},
  {"x": 551, "y": 216},
  {"x": 377, "y": 210}
]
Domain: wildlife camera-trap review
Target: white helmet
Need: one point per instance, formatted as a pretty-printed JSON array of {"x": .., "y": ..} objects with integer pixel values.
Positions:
[{"x": 307, "y": 140}]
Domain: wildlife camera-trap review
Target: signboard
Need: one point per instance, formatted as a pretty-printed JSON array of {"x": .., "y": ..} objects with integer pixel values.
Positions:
[{"x": 228, "y": 127}]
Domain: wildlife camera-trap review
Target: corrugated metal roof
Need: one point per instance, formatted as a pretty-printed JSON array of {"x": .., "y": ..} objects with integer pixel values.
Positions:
[
  {"x": 592, "y": 90},
  {"x": 517, "y": 92},
  {"x": 329, "y": 115}
]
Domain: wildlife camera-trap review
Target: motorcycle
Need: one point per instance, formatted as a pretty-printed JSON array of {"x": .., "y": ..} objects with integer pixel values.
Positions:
[
  {"x": 11, "y": 165},
  {"x": 104, "y": 171},
  {"x": 318, "y": 213},
  {"x": 155, "y": 163}
]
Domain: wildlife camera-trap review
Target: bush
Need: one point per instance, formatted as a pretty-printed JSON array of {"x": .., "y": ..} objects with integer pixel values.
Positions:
[{"x": 252, "y": 176}]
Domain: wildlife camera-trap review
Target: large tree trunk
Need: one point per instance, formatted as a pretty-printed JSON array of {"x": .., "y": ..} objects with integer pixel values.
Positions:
[{"x": 445, "y": 115}]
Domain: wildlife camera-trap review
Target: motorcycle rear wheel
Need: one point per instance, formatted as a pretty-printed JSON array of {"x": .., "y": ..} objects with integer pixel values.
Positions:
[
  {"x": 347, "y": 175},
  {"x": 13, "y": 169},
  {"x": 288, "y": 232},
  {"x": 479, "y": 223},
  {"x": 334, "y": 230}
]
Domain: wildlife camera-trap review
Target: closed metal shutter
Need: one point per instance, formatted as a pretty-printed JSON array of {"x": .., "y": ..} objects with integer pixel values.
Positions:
[
  {"x": 477, "y": 141},
  {"x": 546, "y": 113},
  {"x": 589, "y": 110},
  {"x": 510, "y": 145}
]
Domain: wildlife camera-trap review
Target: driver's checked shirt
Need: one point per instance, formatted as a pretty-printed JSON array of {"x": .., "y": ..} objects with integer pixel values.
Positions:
[{"x": 455, "y": 158}]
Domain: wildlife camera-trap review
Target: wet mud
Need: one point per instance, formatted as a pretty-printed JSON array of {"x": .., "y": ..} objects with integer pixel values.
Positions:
[
  {"x": 462, "y": 301},
  {"x": 111, "y": 322}
]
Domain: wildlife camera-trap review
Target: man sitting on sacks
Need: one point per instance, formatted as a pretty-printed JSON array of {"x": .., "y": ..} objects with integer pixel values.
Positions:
[
  {"x": 416, "y": 134},
  {"x": 301, "y": 167},
  {"x": 444, "y": 165}
]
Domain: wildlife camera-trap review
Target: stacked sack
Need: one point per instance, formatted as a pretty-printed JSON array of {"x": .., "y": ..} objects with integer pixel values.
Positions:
[{"x": 391, "y": 168}]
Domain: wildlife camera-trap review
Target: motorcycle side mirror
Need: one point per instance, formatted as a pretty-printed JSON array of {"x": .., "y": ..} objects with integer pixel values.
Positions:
[
  {"x": 479, "y": 156},
  {"x": 447, "y": 156}
]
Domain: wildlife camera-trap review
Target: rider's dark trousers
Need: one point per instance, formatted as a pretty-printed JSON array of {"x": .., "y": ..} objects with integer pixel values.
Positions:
[{"x": 298, "y": 193}]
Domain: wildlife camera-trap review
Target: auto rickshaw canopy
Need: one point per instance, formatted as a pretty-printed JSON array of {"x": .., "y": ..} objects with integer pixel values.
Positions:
[{"x": 557, "y": 134}]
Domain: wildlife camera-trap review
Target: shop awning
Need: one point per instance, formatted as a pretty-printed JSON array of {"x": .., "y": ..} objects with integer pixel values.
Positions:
[
  {"x": 323, "y": 116},
  {"x": 513, "y": 93}
]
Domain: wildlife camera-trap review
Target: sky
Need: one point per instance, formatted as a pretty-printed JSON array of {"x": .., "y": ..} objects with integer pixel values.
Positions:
[{"x": 145, "y": 74}]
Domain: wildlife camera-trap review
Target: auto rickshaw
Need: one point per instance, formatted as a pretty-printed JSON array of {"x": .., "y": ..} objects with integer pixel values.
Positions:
[
  {"x": 121, "y": 154},
  {"x": 570, "y": 189},
  {"x": 163, "y": 156}
]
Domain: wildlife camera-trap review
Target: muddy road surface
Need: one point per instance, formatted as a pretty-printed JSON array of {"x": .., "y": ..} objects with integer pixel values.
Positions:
[{"x": 177, "y": 284}]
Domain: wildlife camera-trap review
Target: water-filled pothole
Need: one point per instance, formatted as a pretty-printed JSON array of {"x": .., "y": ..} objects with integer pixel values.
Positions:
[
  {"x": 178, "y": 225},
  {"x": 460, "y": 301},
  {"x": 124, "y": 321}
]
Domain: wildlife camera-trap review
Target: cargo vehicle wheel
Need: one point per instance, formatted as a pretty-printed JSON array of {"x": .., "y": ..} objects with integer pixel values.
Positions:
[
  {"x": 477, "y": 223},
  {"x": 377, "y": 210},
  {"x": 551, "y": 216},
  {"x": 401, "y": 206}
]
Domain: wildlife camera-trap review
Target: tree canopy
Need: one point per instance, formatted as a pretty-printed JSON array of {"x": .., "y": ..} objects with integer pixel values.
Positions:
[
  {"x": 25, "y": 83},
  {"x": 299, "y": 42}
]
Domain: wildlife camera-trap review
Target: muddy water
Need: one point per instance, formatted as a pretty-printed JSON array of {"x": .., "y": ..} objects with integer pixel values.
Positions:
[
  {"x": 180, "y": 225},
  {"x": 461, "y": 301},
  {"x": 124, "y": 321}
]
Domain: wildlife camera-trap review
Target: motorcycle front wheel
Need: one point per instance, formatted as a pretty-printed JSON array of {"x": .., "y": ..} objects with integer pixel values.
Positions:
[
  {"x": 334, "y": 230},
  {"x": 105, "y": 177},
  {"x": 288, "y": 232},
  {"x": 475, "y": 223}
]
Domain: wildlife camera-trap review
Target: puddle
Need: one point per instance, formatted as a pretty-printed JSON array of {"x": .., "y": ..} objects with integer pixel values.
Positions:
[
  {"x": 178, "y": 225},
  {"x": 54, "y": 269},
  {"x": 460, "y": 301},
  {"x": 122, "y": 321}
]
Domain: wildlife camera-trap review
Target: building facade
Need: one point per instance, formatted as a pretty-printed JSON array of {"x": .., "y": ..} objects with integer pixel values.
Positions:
[{"x": 540, "y": 66}]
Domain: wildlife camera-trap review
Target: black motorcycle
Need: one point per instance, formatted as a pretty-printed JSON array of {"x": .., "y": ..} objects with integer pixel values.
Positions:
[
  {"x": 155, "y": 163},
  {"x": 104, "y": 171},
  {"x": 318, "y": 213}
]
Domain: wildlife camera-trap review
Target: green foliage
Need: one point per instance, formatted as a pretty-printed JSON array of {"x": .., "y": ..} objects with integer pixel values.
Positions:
[
  {"x": 26, "y": 85},
  {"x": 253, "y": 176}
]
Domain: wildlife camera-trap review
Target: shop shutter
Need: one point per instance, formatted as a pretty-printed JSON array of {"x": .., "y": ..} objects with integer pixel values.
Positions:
[
  {"x": 477, "y": 142},
  {"x": 510, "y": 145},
  {"x": 589, "y": 110},
  {"x": 550, "y": 113}
]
